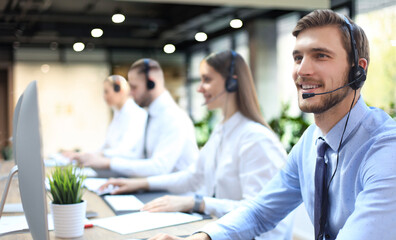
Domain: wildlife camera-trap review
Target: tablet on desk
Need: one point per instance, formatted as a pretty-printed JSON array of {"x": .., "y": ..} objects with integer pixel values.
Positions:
[
  {"x": 143, "y": 197},
  {"x": 122, "y": 204}
]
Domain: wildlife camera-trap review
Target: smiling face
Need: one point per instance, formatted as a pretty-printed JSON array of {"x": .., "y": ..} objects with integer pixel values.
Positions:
[
  {"x": 212, "y": 86},
  {"x": 320, "y": 65}
]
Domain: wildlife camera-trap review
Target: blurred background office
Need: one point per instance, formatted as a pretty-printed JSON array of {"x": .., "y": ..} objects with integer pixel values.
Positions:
[{"x": 71, "y": 46}]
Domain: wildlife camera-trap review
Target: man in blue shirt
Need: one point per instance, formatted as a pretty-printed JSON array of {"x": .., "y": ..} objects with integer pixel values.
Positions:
[{"x": 361, "y": 152}]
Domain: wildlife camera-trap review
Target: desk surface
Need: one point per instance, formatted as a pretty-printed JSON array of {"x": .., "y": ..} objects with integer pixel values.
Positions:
[{"x": 95, "y": 203}]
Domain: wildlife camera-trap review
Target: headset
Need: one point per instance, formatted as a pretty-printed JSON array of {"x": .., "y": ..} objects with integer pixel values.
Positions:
[
  {"x": 116, "y": 84},
  {"x": 357, "y": 74},
  {"x": 231, "y": 84},
  {"x": 149, "y": 83}
]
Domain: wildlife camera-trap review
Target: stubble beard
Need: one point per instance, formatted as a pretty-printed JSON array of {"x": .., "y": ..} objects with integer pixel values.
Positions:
[
  {"x": 145, "y": 100},
  {"x": 327, "y": 102}
]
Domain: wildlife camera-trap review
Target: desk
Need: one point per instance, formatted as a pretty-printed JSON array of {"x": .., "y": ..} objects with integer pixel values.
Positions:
[{"x": 94, "y": 203}]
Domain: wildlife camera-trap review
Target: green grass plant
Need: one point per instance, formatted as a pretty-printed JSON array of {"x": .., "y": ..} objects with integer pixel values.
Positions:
[{"x": 66, "y": 183}]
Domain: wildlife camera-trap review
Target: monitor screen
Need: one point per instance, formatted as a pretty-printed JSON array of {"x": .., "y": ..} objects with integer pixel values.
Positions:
[{"x": 28, "y": 157}]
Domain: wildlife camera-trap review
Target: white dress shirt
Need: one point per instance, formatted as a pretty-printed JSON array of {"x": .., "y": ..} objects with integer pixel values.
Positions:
[
  {"x": 126, "y": 132},
  {"x": 240, "y": 157},
  {"x": 170, "y": 142}
]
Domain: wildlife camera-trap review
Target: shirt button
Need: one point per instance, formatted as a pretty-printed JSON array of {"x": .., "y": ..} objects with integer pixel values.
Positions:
[{"x": 327, "y": 236}]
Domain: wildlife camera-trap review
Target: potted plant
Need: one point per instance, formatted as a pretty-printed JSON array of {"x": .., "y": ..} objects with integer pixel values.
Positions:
[{"x": 67, "y": 207}]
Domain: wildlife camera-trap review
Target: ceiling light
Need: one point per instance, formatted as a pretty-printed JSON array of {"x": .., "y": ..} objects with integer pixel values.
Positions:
[
  {"x": 118, "y": 18},
  {"x": 45, "y": 68},
  {"x": 169, "y": 48},
  {"x": 393, "y": 43},
  {"x": 236, "y": 23},
  {"x": 78, "y": 46},
  {"x": 201, "y": 36},
  {"x": 96, "y": 32}
]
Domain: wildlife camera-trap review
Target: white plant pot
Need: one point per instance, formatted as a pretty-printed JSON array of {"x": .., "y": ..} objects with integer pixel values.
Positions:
[{"x": 69, "y": 219}]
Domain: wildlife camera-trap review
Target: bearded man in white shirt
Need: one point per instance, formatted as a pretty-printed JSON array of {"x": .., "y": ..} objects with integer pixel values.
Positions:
[{"x": 169, "y": 143}]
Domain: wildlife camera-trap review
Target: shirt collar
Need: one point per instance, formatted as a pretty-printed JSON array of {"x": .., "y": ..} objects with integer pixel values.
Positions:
[
  {"x": 230, "y": 124},
  {"x": 334, "y": 135},
  {"x": 162, "y": 102}
]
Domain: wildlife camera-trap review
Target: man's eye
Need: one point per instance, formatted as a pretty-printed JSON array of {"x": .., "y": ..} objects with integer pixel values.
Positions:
[
  {"x": 297, "y": 58},
  {"x": 321, "y": 55}
]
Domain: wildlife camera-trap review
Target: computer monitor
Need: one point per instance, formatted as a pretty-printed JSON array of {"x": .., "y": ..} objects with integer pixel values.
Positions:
[{"x": 29, "y": 162}]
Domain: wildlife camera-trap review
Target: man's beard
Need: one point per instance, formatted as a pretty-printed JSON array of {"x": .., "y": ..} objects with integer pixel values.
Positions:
[
  {"x": 145, "y": 100},
  {"x": 328, "y": 101}
]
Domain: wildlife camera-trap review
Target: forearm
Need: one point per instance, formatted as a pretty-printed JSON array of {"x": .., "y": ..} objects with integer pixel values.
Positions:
[{"x": 178, "y": 182}]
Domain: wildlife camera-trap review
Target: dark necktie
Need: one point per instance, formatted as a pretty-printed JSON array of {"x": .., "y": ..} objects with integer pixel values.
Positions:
[
  {"x": 320, "y": 211},
  {"x": 145, "y": 136}
]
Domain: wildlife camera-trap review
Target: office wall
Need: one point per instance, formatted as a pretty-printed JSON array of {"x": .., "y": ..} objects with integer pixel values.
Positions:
[{"x": 72, "y": 110}]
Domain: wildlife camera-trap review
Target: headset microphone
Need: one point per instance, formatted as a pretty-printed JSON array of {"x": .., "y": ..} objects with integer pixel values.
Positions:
[
  {"x": 309, "y": 95},
  {"x": 214, "y": 98}
]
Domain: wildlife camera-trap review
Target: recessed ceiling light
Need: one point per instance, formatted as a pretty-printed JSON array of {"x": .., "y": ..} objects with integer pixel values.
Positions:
[
  {"x": 236, "y": 23},
  {"x": 393, "y": 43},
  {"x": 96, "y": 32},
  {"x": 45, "y": 68},
  {"x": 201, "y": 36},
  {"x": 169, "y": 48},
  {"x": 118, "y": 18},
  {"x": 78, "y": 46}
]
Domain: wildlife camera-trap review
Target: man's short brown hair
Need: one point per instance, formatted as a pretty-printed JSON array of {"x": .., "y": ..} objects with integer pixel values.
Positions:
[{"x": 320, "y": 18}]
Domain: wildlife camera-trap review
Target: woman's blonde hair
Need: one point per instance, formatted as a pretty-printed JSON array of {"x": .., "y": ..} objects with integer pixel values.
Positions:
[
  {"x": 246, "y": 97},
  {"x": 118, "y": 80}
]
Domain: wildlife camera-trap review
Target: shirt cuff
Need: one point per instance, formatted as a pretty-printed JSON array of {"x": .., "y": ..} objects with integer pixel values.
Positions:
[
  {"x": 157, "y": 183},
  {"x": 210, "y": 205},
  {"x": 117, "y": 166}
]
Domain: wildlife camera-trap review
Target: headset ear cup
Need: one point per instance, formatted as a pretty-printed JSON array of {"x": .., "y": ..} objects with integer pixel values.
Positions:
[
  {"x": 231, "y": 84},
  {"x": 116, "y": 86},
  {"x": 357, "y": 76},
  {"x": 150, "y": 84}
]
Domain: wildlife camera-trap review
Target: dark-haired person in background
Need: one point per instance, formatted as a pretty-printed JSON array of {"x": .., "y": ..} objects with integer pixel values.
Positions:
[{"x": 344, "y": 166}]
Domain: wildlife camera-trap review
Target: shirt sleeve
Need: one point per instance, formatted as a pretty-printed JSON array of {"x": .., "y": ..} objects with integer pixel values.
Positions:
[
  {"x": 258, "y": 157},
  {"x": 374, "y": 216},
  {"x": 261, "y": 214},
  {"x": 174, "y": 140},
  {"x": 178, "y": 182}
]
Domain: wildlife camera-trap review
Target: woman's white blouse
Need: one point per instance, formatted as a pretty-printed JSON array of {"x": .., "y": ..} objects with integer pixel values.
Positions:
[{"x": 240, "y": 157}]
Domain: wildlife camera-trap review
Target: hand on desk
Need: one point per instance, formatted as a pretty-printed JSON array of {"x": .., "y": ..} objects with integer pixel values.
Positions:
[
  {"x": 198, "y": 236},
  {"x": 126, "y": 185},
  {"x": 170, "y": 204},
  {"x": 94, "y": 160},
  {"x": 70, "y": 154}
]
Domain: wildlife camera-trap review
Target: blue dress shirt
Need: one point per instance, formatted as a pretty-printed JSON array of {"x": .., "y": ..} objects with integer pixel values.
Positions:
[{"x": 362, "y": 195}]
